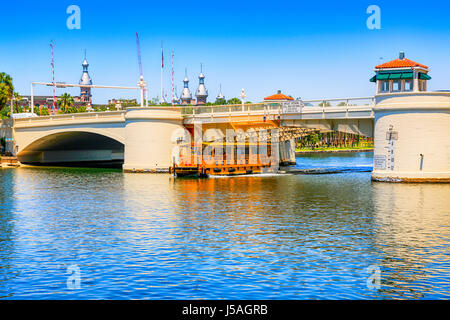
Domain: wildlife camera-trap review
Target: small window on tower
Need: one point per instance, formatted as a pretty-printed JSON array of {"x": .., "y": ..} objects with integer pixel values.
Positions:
[
  {"x": 422, "y": 85},
  {"x": 384, "y": 86},
  {"x": 408, "y": 85},
  {"x": 396, "y": 86}
]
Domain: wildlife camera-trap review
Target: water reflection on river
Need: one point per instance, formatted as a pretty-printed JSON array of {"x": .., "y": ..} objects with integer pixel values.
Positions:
[{"x": 292, "y": 236}]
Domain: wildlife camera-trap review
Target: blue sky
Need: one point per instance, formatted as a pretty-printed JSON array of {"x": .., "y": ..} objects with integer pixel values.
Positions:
[{"x": 308, "y": 49}]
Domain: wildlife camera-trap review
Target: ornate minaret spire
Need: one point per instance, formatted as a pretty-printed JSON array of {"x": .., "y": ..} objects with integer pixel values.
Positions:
[
  {"x": 186, "y": 95},
  {"x": 220, "y": 96},
  {"x": 202, "y": 93},
  {"x": 85, "y": 92}
]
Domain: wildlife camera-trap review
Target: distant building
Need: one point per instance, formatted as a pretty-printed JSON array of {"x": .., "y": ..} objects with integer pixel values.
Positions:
[
  {"x": 186, "y": 96},
  {"x": 38, "y": 101},
  {"x": 45, "y": 101},
  {"x": 201, "y": 93},
  {"x": 85, "y": 97},
  {"x": 119, "y": 104},
  {"x": 85, "y": 92},
  {"x": 278, "y": 97},
  {"x": 123, "y": 101},
  {"x": 220, "y": 96}
]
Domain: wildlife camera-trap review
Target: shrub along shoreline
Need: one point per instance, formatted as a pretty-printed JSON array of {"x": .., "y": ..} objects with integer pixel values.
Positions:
[{"x": 333, "y": 150}]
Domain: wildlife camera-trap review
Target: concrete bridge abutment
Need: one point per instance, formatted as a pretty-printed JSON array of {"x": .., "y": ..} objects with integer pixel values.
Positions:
[{"x": 148, "y": 138}]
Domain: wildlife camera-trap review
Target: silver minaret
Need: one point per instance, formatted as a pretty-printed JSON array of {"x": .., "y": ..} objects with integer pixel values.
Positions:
[
  {"x": 220, "y": 96},
  {"x": 85, "y": 94},
  {"x": 186, "y": 96},
  {"x": 201, "y": 93}
]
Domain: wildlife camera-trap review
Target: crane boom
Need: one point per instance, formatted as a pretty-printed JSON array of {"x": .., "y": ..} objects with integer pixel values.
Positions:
[
  {"x": 53, "y": 72},
  {"x": 141, "y": 82},
  {"x": 139, "y": 55}
]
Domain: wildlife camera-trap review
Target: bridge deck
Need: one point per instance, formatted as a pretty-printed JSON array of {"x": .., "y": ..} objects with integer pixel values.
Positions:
[{"x": 296, "y": 110}]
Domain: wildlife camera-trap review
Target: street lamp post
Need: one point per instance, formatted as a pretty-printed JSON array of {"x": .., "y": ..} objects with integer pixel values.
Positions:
[
  {"x": 243, "y": 97},
  {"x": 142, "y": 85},
  {"x": 32, "y": 98}
]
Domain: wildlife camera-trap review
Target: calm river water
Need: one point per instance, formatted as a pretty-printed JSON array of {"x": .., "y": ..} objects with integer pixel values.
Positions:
[{"x": 139, "y": 236}]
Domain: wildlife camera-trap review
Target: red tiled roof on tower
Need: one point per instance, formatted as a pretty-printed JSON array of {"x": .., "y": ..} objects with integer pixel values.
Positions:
[
  {"x": 278, "y": 96},
  {"x": 401, "y": 62}
]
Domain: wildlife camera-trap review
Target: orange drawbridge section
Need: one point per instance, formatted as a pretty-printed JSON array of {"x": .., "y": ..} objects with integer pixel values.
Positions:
[{"x": 217, "y": 158}]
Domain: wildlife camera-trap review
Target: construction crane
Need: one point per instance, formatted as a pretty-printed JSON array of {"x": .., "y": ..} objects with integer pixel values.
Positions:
[
  {"x": 53, "y": 73},
  {"x": 141, "y": 82}
]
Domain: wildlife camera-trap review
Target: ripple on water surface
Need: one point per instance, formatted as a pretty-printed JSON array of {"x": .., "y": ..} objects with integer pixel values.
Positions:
[{"x": 260, "y": 237}]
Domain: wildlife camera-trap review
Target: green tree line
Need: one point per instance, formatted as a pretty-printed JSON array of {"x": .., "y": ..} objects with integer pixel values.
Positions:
[
  {"x": 218, "y": 102},
  {"x": 6, "y": 94}
]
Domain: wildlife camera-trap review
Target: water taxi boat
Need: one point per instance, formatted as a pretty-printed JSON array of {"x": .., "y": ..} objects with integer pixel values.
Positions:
[{"x": 224, "y": 159}]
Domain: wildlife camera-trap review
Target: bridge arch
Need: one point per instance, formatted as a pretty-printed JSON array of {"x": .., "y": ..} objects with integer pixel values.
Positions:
[{"x": 77, "y": 146}]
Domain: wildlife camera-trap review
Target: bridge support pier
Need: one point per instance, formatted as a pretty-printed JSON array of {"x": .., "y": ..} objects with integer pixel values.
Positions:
[
  {"x": 148, "y": 138},
  {"x": 412, "y": 137},
  {"x": 287, "y": 152}
]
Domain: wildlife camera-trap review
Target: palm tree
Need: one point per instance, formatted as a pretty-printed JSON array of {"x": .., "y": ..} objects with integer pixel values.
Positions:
[
  {"x": 220, "y": 101},
  {"x": 6, "y": 79},
  {"x": 17, "y": 98},
  {"x": 234, "y": 101},
  {"x": 65, "y": 102},
  {"x": 4, "y": 94},
  {"x": 6, "y": 89},
  {"x": 44, "y": 111}
]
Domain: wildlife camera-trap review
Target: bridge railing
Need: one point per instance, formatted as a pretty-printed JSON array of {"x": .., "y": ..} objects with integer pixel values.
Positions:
[
  {"x": 340, "y": 102},
  {"x": 282, "y": 107},
  {"x": 295, "y": 106},
  {"x": 193, "y": 110},
  {"x": 73, "y": 116}
]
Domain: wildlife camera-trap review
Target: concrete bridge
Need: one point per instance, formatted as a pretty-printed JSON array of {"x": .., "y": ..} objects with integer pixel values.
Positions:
[
  {"x": 121, "y": 135},
  {"x": 70, "y": 138},
  {"x": 143, "y": 137}
]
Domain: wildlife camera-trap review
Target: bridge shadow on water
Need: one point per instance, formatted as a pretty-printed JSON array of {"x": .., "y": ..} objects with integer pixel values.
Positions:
[
  {"x": 305, "y": 164},
  {"x": 114, "y": 164}
]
